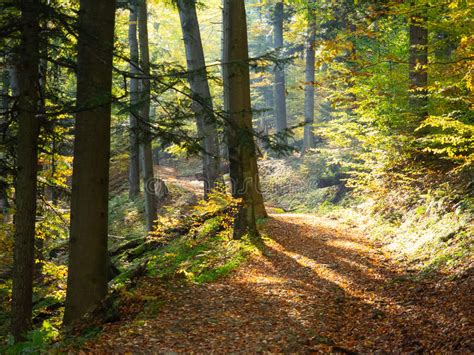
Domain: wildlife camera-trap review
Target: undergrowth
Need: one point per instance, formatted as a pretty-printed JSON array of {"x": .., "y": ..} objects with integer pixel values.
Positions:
[
  {"x": 190, "y": 243},
  {"x": 302, "y": 184},
  {"x": 432, "y": 235},
  {"x": 202, "y": 256},
  {"x": 206, "y": 252},
  {"x": 423, "y": 222}
]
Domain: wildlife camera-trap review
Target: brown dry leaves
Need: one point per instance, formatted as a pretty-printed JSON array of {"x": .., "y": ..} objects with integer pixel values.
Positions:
[{"x": 316, "y": 288}]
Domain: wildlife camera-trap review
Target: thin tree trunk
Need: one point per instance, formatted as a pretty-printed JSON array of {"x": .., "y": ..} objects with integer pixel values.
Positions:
[
  {"x": 87, "y": 276},
  {"x": 308, "y": 140},
  {"x": 47, "y": 190},
  {"x": 242, "y": 156},
  {"x": 418, "y": 61},
  {"x": 144, "y": 119},
  {"x": 27, "y": 168},
  {"x": 267, "y": 90},
  {"x": 134, "y": 163},
  {"x": 225, "y": 99},
  {"x": 4, "y": 108},
  {"x": 279, "y": 73},
  {"x": 269, "y": 101},
  {"x": 202, "y": 104}
]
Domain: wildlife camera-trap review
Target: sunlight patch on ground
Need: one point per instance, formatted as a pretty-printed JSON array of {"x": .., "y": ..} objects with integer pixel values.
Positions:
[
  {"x": 333, "y": 271},
  {"x": 348, "y": 245}
]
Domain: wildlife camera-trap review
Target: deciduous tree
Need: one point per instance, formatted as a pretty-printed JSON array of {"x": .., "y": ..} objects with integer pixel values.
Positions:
[
  {"x": 279, "y": 72},
  {"x": 144, "y": 118},
  {"x": 202, "y": 100},
  {"x": 308, "y": 140},
  {"x": 134, "y": 160}
]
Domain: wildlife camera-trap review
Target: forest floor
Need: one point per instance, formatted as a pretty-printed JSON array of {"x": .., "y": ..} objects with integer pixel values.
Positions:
[{"x": 315, "y": 287}]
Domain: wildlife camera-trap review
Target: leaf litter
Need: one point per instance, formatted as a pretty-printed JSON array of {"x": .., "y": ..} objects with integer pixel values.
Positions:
[{"x": 315, "y": 288}]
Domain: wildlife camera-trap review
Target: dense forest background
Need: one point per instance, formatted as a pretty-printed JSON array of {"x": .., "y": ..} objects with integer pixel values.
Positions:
[{"x": 162, "y": 140}]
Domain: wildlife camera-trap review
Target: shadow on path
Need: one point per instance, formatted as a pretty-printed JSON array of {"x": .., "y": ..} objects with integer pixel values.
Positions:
[{"x": 314, "y": 289}]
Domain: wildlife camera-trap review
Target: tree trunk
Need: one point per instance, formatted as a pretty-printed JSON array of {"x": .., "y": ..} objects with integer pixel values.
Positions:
[
  {"x": 47, "y": 190},
  {"x": 27, "y": 168},
  {"x": 134, "y": 162},
  {"x": 87, "y": 276},
  {"x": 279, "y": 72},
  {"x": 242, "y": 156},
  {"x": 260, "y": 211},
  {"x": 4, "y": 108},
  {"x": 225, "y": 99},
  {"x": 418, "y": 61},
  {"x": 308, "y": 141},
  {"x": 202, "y": 100},
  {"x": 144, "y": 119}
]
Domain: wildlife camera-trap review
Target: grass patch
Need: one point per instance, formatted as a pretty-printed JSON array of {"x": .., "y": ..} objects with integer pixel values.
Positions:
[
  {"x": 202, "y": 256},
  {"x": 205, "y": 252}
]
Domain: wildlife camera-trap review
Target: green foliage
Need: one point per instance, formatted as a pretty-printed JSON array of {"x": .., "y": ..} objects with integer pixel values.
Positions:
[
  {"x": 5, "y": 301},
  {"x": 38, "y": 341},
  {"x": 6, "y": 245},
  {"x": 450, "y": 138},
  {"x": 366, "y": 82},
  {"x": 430, "y": 234},
  {"x": 126, "y": 217},
  {"x": 208, "y": 251},
  {"x": 201, "y": 257},
  {"x": 303, "y": 184}
]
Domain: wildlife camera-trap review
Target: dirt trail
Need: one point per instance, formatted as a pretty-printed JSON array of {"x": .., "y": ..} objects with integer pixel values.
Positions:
[{"x": 317, "y": 288}]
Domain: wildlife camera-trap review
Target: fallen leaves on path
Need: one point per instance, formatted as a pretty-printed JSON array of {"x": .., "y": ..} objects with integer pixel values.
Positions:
[{"x": 315, "y": 288}]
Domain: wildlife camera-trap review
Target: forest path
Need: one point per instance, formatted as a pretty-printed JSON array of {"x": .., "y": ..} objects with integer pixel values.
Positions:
[{"x": 317, "y": 288}]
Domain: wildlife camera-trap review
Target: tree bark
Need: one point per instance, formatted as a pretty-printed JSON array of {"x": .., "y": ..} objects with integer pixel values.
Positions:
[
  {"x": 144, "y": 119},
  {"x": 242, "y": 155},
  {"x": 27, "y": 168},
  {"x": 308, "y": 140},
  {"x": 418, "y": 61},
  {"x": 279, "y": 73},
  {"x": 202, "y": 100},
  {"x": 4, "y": 108},
  {"x": 46, "y": 191},
  {"x": 134, "y": 162},
  {"x": 87, "y": 276},
  {"x": 260, "y": 211}
]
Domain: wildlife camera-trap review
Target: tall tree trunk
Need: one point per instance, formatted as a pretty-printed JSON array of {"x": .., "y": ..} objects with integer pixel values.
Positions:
[
  {"x": 308, "y": 140},
  {"x": 225, "y": 99},
  {"x": 279, "y": 73},
  {"x": 202, "y": 100},
  {"x": 47, "y": 190},
  {"x": 27, "y": 168},
  {"x": 134, "y": 162},
  {"x": 144, "y": 119},
  {"x": 242, "y": 156},
  {"x": 87, "y": 276},
  {"x": 418, "y": 61},
  {"x": 4, "y": 108}
]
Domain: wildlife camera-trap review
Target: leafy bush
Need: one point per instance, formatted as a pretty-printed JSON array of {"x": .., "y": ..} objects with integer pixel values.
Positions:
[{"x": 38, "y": 341}]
